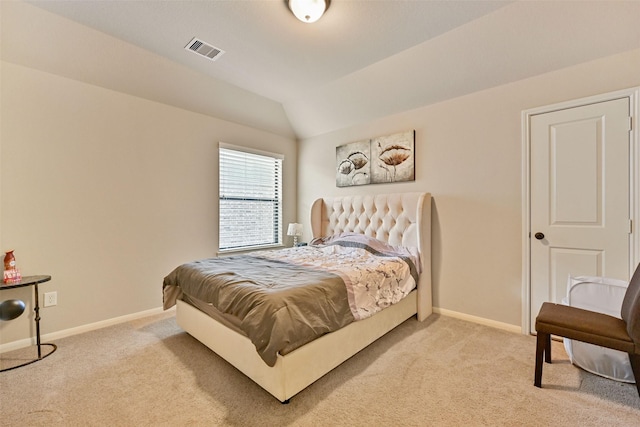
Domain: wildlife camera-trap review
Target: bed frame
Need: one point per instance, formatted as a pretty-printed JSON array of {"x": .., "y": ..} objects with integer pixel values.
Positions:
[{"x": 399, "y": 219}]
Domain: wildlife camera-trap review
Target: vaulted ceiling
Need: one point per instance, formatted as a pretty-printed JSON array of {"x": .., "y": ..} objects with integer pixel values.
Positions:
[{"x": 363, "y": 60}]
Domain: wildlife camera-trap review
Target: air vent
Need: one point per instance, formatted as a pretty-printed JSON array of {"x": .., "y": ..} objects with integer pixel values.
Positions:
[{"x": 204, "y": 49}]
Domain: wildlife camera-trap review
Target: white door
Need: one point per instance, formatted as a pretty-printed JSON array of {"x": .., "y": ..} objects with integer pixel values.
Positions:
[{"x": 580, "y": 214}]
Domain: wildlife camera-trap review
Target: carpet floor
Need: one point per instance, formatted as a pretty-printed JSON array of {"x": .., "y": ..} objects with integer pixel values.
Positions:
[{"x": 441, "y": 372}]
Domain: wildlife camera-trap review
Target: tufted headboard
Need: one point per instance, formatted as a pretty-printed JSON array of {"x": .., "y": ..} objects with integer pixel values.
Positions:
[
  {"x": 393, "y": 218},
  {"x": 402, "y": 219}
]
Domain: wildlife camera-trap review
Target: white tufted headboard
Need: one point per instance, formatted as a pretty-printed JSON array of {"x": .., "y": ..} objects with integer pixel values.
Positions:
[{"x": 402, "y": 219}]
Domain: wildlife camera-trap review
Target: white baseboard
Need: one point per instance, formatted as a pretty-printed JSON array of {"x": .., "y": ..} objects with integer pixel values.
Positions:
[
  {"x": 14, "y": 345},
  {"x": 480, "y": 320}
]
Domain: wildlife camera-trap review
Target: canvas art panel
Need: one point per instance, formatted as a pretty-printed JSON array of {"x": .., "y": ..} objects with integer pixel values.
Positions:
[
  {"x": 378, "y": 160},
  {"x": 353, "y": 164}
]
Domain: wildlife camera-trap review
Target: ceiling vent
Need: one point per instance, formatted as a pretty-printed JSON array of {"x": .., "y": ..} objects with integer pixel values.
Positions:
[{"x": 204, "y": 49}]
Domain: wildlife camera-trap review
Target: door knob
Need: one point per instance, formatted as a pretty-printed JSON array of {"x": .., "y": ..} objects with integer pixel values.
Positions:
[{"x": 539, "y": 235}]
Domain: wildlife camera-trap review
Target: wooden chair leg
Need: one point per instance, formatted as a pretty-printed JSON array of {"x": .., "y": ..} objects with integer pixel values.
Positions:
[
  {"x": 543, "y": 348},
  {"x": 547, "y": 348},
  {"x": 635, "y": 367}
]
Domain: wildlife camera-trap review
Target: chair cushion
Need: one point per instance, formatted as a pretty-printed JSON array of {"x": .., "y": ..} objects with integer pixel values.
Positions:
[{"x": 584, "y": 325}]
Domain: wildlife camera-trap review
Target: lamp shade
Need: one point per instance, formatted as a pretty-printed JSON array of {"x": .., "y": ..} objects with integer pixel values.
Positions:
[
  {"x": 294, "y": 229},
  {"x": 308, "y": 10}
]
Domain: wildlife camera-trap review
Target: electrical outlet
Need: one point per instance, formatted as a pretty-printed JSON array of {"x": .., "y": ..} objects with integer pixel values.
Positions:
[{"x": 50, "y": 298}]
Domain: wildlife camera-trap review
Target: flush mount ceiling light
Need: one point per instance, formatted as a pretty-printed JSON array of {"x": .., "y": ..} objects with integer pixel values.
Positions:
[{"x": 308, "y": 11}]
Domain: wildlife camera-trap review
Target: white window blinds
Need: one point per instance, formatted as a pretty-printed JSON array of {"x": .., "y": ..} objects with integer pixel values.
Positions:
[{"x": 250, "y": 199}]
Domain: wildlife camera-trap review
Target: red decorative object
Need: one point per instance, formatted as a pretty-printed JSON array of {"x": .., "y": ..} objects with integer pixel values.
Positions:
[{"x": 11, "y": 272}]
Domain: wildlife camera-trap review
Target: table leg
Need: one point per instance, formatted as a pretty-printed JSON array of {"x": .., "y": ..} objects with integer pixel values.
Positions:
[{"x": 36, "y": 308}]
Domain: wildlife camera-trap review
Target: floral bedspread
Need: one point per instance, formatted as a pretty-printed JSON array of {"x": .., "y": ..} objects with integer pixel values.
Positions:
[{"x": 375, "y": 274}]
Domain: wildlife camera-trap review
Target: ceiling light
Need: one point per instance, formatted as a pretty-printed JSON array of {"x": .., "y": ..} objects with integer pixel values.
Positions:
[{"x": 308, "y": 11}]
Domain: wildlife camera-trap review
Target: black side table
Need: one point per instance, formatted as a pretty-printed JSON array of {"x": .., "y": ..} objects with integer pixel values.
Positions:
[{"x": 31, "y": 281}]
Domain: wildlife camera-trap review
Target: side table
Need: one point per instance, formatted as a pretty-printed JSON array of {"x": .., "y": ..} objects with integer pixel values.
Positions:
[{"x": 31, "y": 281}]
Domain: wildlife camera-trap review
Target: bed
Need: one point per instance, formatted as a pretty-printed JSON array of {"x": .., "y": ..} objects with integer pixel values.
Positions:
[{"x": 400, "y": 220}]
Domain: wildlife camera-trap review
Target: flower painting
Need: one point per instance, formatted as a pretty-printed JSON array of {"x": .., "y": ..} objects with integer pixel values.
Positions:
[
  {"x": 384, "y": 159},
  {"x": 353, "y": 164},
  {"x": 393, "y": 156}
]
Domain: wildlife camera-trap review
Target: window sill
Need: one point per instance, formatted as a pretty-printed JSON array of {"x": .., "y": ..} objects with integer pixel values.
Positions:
[{"x": 246, "y": 249}]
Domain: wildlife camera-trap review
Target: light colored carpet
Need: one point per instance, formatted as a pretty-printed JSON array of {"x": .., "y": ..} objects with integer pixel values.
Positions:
[{"x": 443, "y": 372}]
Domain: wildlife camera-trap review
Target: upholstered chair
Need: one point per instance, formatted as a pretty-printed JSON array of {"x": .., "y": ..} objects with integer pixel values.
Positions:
[{"x": 593, "y": 328}]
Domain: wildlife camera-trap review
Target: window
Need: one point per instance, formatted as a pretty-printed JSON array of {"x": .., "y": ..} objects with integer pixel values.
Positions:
[{"x": 250, "y": 198}]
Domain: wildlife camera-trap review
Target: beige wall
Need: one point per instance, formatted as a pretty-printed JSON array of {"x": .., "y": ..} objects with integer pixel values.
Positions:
[
  {"x": 108, "y": 193},
  {"x": 468, "y": 155}
]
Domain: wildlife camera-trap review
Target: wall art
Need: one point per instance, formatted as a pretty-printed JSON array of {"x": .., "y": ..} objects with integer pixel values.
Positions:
[{"x": 378, "y": 160}]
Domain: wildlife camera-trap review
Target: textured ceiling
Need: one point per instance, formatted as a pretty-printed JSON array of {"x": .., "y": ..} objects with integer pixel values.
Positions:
[{"x": 362, "y": 60}]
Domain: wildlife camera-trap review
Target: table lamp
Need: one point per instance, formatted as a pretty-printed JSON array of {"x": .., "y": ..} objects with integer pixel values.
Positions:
[{"x": 294, "y": 230}]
